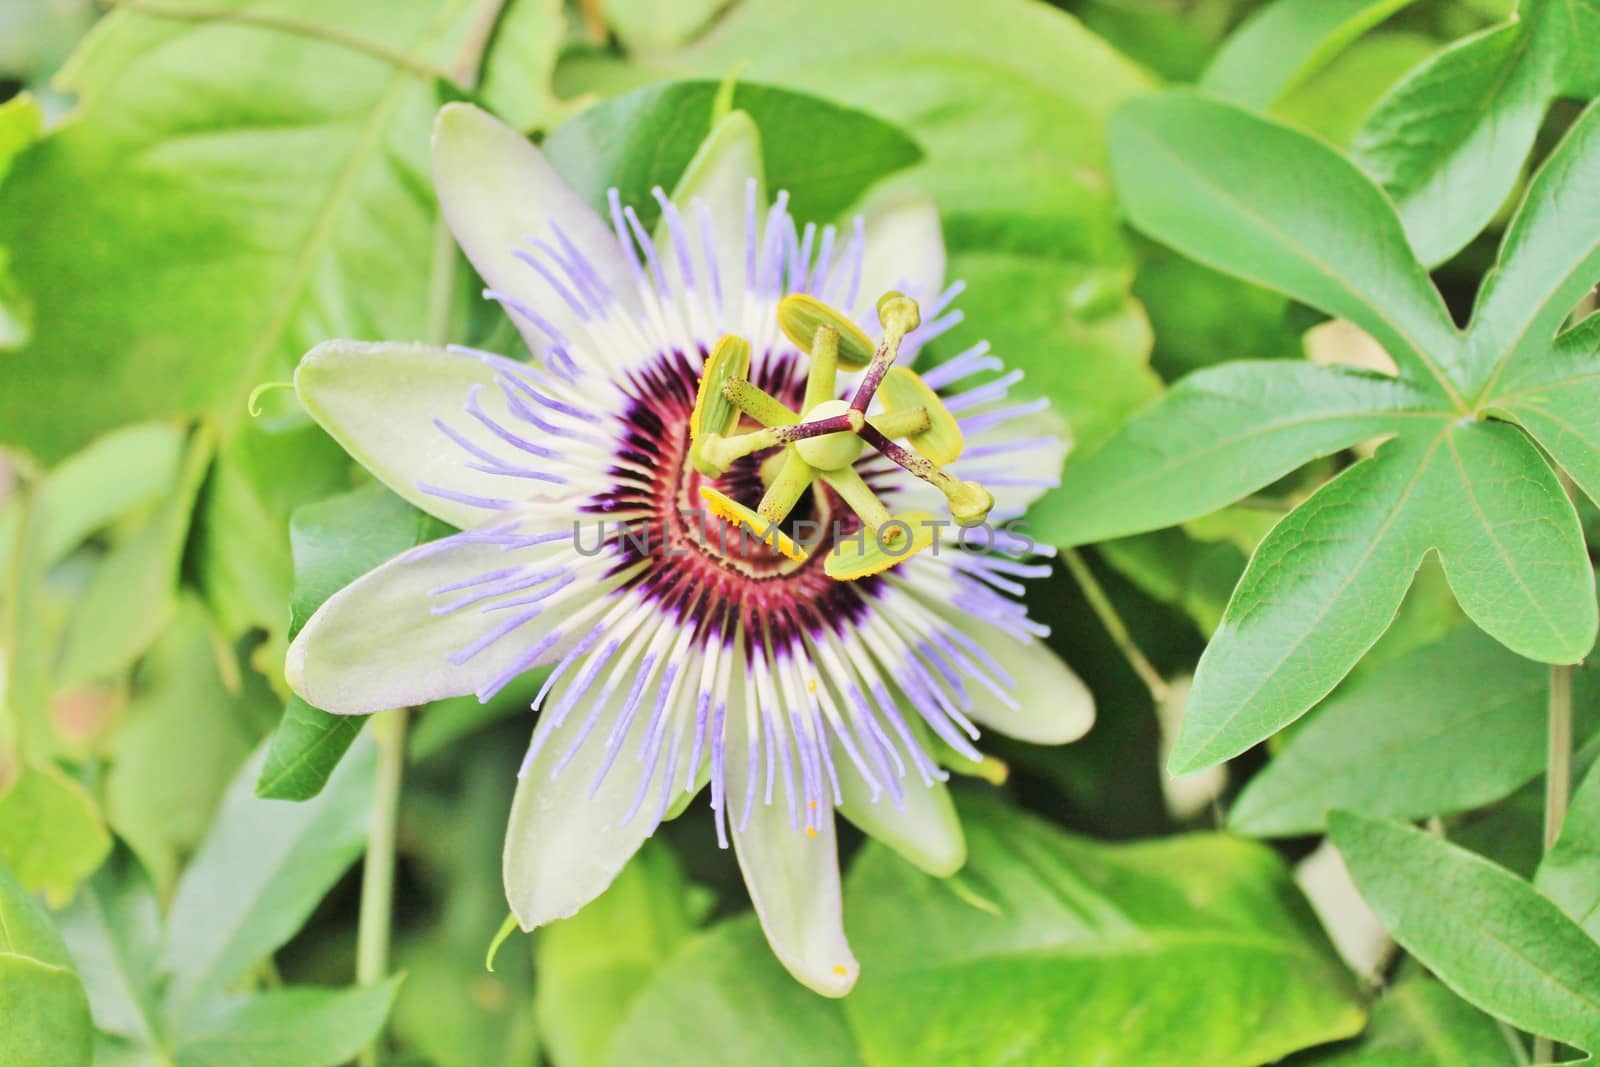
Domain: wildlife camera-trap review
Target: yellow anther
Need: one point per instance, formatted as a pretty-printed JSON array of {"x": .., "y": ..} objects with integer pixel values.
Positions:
[
  {"x": 713, "y": 411},
  {"x": 875, "y": 551},
  {"x": 799, "y": 317},
  {"x": 768, "y": 533},
  {"x": 811, "y": 831}
]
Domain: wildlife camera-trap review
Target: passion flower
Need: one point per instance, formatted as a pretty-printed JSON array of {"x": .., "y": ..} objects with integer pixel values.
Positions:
[{"x": 741, "y": 533}]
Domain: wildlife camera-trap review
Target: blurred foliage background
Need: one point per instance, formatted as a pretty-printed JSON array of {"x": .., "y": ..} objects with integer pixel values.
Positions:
[{"x": 194, "y": 194}]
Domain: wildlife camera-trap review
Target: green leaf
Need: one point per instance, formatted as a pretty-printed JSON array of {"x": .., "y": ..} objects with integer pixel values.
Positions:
[
  {"x": 47, "y": 1016},
  {"x": 41, "y": 1000},
  {"x": 1327, "y": 581},
  {"x": 1179, "y": 951},
  {"x": 594, "y": 965},
  {"x": 1319, "y": 591},
  {"x": 1483, "y": 931},
  {"x": 652, "y": 24},
  {"x": 298, "y": 1027},
  {"x": 1569, "y": 874},
  {"x": 51, "y": 833},
  {"x": 1335, "y": 101},
  {"x": 824, "y": 154},
  {"x": 114, "y": 932},
  {"x": 1449, "y": 141},
  {"x": 521, "y": 61},
  {"x": 180, "y": 703},
  {"x": 241, "y": 552},
  {"x": 133, "y": 592},
  {"x": 1550, "y": 258},
  {"x": 1420, "y": 1023},
  {"x": 1284, "y": 43},
  {"x": 1229, "y": 189},
  {"x": 334, "y": 542},
  {"x": 86, "y": 492},
  {"x": 261, "y": 869},
  {"x": 235, "y": 200},
  {"x": 1472, "y": 731},
  {"x": 1555, "y": 399},
  {"x": 1511, "y": 543},
  {"x": 20, "y": 125},
  {"x": 725, "y": 1001},
  {"x": 1217, "y": 436}
]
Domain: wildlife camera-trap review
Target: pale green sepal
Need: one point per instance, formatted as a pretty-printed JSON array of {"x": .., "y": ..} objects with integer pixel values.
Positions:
[
  {"x": 719, "y": 176},
  {"x": 922, "y": 828},
  {"x": 566, "y": 840},
  {"x": 378, "y": 400},
  {"x": 496, "y": 191},
  {"x": 374, "y": 644}
]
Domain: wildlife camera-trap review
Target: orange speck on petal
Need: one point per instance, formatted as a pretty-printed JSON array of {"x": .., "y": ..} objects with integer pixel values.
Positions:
[
  {"x": 837, "y": 969},
  {"x": 811, "y": 685},
  {"x": 811, "y": 831}
]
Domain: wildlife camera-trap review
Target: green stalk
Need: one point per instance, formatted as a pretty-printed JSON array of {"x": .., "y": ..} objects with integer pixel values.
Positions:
[
  {"x": 1106, "y": 612},
  {"x": 377, "y": 870},
  {"x": 1557, "y": 787}
]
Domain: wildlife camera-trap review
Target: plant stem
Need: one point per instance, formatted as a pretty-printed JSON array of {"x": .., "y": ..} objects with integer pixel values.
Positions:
[
  {"x": 1558, "y": 775},
  {"x": 1101, "y": 605},
  {"x": 377, "y": 870},
  {"x": 1557, "y": 787}
]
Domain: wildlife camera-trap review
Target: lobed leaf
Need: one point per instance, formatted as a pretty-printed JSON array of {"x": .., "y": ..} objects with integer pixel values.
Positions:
[
  {"x": 1217, "y": 436},
  {"x": 1549, "y": 259},
  {"x": 1450, "y": 140},
  {"x": 1327, "y": 581},
  {"x": 1230, "y": 189}
]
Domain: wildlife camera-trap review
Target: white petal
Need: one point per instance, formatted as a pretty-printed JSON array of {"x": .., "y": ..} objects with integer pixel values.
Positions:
[
  {"x": 904, "y": 251},
  {"x": 718, "y": 177},
  {"x": 379, "y": 401},
  {"x": 563, "y": 846},
  {"x": 793, "y": 880},
  {"x": 1055, "y": 707},
  {"x": 496, "y": 190},
  {"x": 374, "y": 644},
  {"x": 924, "y": 828}
]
